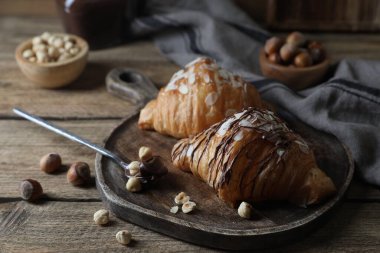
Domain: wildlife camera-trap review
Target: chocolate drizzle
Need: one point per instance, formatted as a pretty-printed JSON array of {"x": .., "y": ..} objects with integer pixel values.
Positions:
[{"x": 256, "y": 125}]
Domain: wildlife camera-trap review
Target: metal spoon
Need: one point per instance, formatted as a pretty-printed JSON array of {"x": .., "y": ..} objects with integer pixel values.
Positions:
[{"x": 73, "y": 137}]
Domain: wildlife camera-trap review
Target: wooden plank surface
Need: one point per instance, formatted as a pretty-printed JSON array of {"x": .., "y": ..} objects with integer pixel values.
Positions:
[
  {"x": 24, "y": 143},
  {"x": 85, "y": 98},
  {"x": 63, "y": 220},
  {"x": 68, "y": 226}
]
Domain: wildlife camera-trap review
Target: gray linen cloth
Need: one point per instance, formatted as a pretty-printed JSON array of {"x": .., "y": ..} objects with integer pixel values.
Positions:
[{"x": 347, "y": 105}]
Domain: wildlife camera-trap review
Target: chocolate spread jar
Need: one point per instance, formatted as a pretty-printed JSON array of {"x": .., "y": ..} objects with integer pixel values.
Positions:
[{"x": 103, "y": 23}]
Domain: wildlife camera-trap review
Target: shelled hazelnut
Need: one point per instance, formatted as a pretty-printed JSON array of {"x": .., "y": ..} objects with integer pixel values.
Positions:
[
  {"x": 50, "y": 163},
  {"x": 295, "y": 51},
  {"x": 245, "y": 210},
  {"x": 133, "y": 184},
  {"x": 48, "y": 48},
  {"x": 124, "y": 237},
  {"x": 145, "y": 153},
  {"x": 101, "y": 217},
  {"x": 134, "y": 168},
  {"x": 188, "y": 207},
  {"x": 181, "y": 198},
  {"x": 30, "y": 190},
  {"x": 79, "y": 174}
]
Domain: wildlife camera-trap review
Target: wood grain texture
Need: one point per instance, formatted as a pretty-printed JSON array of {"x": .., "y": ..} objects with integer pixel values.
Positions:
[
  {"x": 28, "y": 7},
  {"x": 68, "y": 226},
  {"x": 214, "y": 224},
  {"x": 23, "y": 144},
  {"x": 56, "y": 226},
  {"x": 324, "y": 15},
  {"x": 86, "y": 97}
]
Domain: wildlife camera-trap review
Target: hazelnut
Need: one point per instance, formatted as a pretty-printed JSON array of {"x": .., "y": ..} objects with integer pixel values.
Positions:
[
  {"x": 101, "y": 217},
  {"x": 41, "y": 56},
  {"x": 134, "y": 168},
  {"x": 45, "y": 36},
  {"x": 53, "y": 52},
  {"x": 245, "y": 210},
  {"x": 39, "y": 47},
  {"x": 51, "y": 39},
  {"x": 287, "y": 52},
  {"x": 67, "y": 38},
  {"x": 37, "y": 40},
  {"x": 181, "y": 198},
  {"x": 79, "y": 174},
  {"x": 27, "y": 53},
  {"x": 316, "y": 51},
  {"x": 74, "y": 51},
  {"x": 68, "y": 45},
  {"x": 133, "y": 184},
  {"x": 58, "y": 42},
  {"x": 50, "y": 162},
  {"x": 303, "y": 59},
  {"x": 174, "y": 209},
  {"x": 296, "y": 38},
  {"x": 145, "y": 153},
  {"x": 273, "y": 45},
  {"x": 123, "y": 237},
  {"x": 274, "y": 58},
  {"x": 30, "y": 190},
  {"x": 64, "y": 56},
  {"x": 188, "y": 206}
]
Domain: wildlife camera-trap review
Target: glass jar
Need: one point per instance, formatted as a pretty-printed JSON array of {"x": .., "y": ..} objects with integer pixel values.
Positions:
[{"x": 102, "y": 23}]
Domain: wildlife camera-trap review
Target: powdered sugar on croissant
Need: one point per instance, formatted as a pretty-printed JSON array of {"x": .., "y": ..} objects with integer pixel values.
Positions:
[
  {"x": 253, "y": 156},
  {"x": 195, "y": 98}
]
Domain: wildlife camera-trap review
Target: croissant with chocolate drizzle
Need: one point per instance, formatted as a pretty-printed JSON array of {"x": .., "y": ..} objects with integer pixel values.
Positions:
[
  {"x": 253, "y": 156},
  {"x": 196, "y": 98}
]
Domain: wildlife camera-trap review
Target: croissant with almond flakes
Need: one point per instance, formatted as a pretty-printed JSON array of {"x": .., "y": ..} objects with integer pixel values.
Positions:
[
  {"x": 196, "y": 98},
  {"x": 253, "y": 156}
]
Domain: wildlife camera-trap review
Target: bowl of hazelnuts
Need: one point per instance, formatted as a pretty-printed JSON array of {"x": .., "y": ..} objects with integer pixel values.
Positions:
[
  {"x": 52, "y": 60},
  {"x": 294, "y": 61}
]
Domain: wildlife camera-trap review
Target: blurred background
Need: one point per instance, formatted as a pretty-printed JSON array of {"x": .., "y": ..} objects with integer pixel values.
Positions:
[{"x": 304, "y": 15}]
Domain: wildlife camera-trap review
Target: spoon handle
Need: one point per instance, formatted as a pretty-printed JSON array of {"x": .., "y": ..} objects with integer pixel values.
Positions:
[{"x": 67, "y": 134}]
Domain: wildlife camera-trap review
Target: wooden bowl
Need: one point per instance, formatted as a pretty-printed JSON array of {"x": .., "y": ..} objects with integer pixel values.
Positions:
[
  {"x": 53, "y": 74},
  {"x": 295, "y": 78}
]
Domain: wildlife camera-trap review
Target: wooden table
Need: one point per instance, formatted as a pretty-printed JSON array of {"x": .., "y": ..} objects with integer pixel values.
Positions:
[{"x": 62, "y": 221}]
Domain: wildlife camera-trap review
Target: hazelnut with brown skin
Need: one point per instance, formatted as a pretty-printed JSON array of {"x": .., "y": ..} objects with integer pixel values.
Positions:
[
  {"x": 296, "y": 38},
  {"x": 274, "y": 58},
  {"x": 273, "y": 45},
  {"x": 316, "y": 51},
  {"x": 50, "y": 163},
  {"x": 303, "y": 59},
  {"x": 30, "y": 190},
  {"x": 287, "y": 52},
  {"x": 79, "y": 174}
]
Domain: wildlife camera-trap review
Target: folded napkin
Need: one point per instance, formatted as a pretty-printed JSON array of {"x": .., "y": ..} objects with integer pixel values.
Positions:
[{"x": 347, "y": 105}]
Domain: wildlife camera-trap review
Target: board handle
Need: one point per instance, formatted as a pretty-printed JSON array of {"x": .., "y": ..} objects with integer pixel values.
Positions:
[{"x": 131, "y": 85}]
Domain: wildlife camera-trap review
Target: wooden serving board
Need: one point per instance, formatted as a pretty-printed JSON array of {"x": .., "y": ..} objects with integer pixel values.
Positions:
[{"x": 213, "y": 223}]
